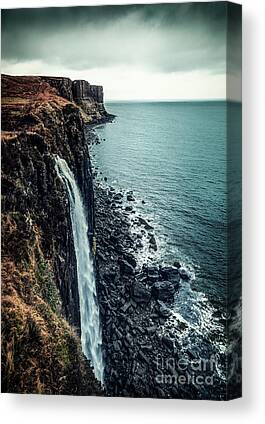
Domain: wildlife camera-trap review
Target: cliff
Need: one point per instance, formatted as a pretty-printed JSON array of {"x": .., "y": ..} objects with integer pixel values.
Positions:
[
  {"x": 41, "y": 349},
  {"x": 88, "y": 97}
]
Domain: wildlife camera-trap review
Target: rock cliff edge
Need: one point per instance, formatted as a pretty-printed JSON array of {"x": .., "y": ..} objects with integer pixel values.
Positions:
[{"x": 43, "y": 117}]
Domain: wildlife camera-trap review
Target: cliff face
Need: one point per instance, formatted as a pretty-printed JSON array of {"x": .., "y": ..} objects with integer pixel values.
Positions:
[
  {"x": 41, "y": 351},
  {"x": 88, "y": 97}
]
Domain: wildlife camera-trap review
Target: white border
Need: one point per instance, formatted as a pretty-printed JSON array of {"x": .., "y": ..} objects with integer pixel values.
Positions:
[{"x": 43, "y": 409}]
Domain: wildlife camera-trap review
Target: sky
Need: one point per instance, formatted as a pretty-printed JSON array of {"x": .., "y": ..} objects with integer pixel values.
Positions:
[{"x": 150, "y": 52}]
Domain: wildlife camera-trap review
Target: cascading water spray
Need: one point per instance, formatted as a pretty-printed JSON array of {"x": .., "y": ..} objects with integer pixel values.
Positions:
[{"x": 89, "y": 311}]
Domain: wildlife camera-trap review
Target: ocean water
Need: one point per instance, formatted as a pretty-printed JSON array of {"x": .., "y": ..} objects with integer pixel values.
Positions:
[{"x": 176, "y": 157}]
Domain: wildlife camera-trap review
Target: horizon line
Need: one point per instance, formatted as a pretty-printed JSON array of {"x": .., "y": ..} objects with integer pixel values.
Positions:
[{"x": 170, "y": 100}]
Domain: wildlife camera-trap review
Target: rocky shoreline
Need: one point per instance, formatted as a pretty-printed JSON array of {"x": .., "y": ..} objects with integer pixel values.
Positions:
[{"x": 141, "y": 354}]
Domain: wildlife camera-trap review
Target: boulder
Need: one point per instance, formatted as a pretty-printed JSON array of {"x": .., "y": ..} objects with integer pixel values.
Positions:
[
  {"x": 153, "y": 244},
  {"x": 130, "y": 259},
  {"x": 142, "y": 277},
  {"x": 184, "y": 274},
  {"x": 171, "y": 274},
  {"x": 141, "y": 293},
  {"x": 163, "y": 290},
  {"x": 143, "y": 222},
  {"x": 163, "y": 310},
  {"x": 151, "y": 330},
  {"x": 125, "y": 267},
  {"x": 177, "y": 264},
  {"x": 126, "y": 306},
  {"x": 147, "y": 347},
  {"x": 114, "y": 239},
  {"x": 101, "y": 256},
  {"x": 168, "y": 342},
  {"x": 130, "y": 198},
  {"x": 143, "y": 357},
  {"x": 152, "y": 273},
  {"x": 118, "y": 196}
]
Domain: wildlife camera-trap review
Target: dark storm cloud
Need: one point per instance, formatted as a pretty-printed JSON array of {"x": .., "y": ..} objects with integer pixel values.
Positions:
[{"x": 167, "y": 37}]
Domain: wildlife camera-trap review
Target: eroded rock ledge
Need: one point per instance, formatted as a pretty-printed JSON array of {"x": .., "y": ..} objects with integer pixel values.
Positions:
[{"x": 89, "y": 97}]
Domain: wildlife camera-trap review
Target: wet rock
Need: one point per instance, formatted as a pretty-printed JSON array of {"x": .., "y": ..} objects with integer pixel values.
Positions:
[
  {"x": 140, "y": 329},
  {"x": 141, "y": 277},
  {"x": 152, "y": 329},
  {"x": 129, "y": 338},
  {"x": 142, "y": 221},
  {"x": 163, "y": 290},
  {"x": 168, "y": 342},
  {"x": 153, "y": 244},
  {"x": 147, "y": 347},
  {"x": 125, "y": 267},
  {"x": 143, "y": 356},
  {"x": 118, "y": 196},
  {"x": 185, "y": 275},
  {"x": 171, "y": 274},
  {"x": 130, "y": 198},
  {"x": 141, "y": 293},
  {"x": 177, "y": 264},
  {"x": 128, "y": 208},
  {"x": 130, "y": 259},
  {"x": 116, "y": 345},
  {"x": 101, "y": 256},
  {"x": 114, "y": 239},
  {"x": 163, "y": 310},
  {"x": 126, "y": 306},
  {"x": 118, "y": 333},
  {"x": 152, "y": 273}
]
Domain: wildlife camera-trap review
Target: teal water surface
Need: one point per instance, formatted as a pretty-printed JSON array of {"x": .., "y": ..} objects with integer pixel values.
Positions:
[{"x": 174, "y": 156}]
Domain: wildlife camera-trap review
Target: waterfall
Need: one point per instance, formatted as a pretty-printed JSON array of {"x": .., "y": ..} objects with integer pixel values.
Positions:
[{"x": 89, "y": 311}]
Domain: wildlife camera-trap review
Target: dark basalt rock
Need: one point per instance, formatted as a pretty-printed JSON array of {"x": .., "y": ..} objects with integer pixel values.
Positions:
[
  {"x": 142, "y": 221},
  {"x": 82, "y": 90},
  {"x": 141, "y": 293},
  {"x": 163, "y": 290},
  {"x": 177, "y": 264},
  {"x": 151, "y": 330},
  {"x": 117, "y": 196},
  {"x": 169, "y": 343},
  {"x": 130, "y": 259},
  {"x": 184, "y": 274},
  {"x": 125, "y": 267},
  {"x": 151, "y": 273},
  {"x": 171, "y": 274},
  {"x": 62, "y": 85},
  {"x": 153, "y": 244},
  {"x": 163, "y": 310}
]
